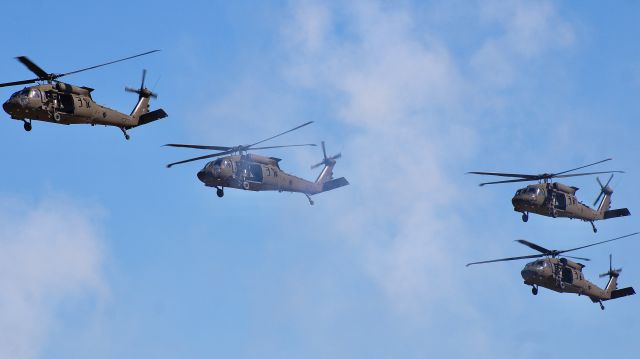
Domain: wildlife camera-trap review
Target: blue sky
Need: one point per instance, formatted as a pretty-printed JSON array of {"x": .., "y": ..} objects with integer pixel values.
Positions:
[{"x": 106, "y": 253}]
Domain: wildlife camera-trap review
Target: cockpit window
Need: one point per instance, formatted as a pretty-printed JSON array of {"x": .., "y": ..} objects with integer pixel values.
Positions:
[
  {"x": 226, "y": 163},
  {"x": 34, "y": 94},
  {"x": 538, "y": 264},
  {"x": 217, "y": 162},
  {"x": 24, "y": 92}
]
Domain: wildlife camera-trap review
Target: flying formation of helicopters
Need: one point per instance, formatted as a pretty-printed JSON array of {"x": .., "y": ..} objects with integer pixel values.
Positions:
[
  {"x": 554, "y": 199},
  {"x": 238, "y": 169},
  {"x": 62, "y": 103},
  {"x": 565, "y": 276},
  {"x": 54, "y": 101}
]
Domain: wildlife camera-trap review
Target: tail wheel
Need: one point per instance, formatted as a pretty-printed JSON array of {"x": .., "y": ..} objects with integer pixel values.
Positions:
[
  {"x": 27, "y": 126},
  {"x": 220, "y": 192},
  {"x": 534, "y": 290},
  {"x": 525, "y": 217}
]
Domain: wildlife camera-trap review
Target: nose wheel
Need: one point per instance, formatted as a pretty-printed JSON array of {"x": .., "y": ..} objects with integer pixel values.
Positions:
[
  {"x": 525, "y": 217},
  {"x": 534, "y": 290},
  {"x": 220, "y": 192}
]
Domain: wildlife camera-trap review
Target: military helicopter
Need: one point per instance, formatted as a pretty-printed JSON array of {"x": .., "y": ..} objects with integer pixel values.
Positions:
[
  {"x": 57, "y": 102},
  {"x": 564, "y": 276},
  {"x": 554, "y": 199},
  {"x": 238, "y": 169}
]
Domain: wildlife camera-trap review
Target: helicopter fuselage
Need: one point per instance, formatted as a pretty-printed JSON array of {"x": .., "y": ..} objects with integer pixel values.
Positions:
[
  {"x": 553, "y": 200},
  {"x": 562, "y": 276},
  {"x": 254, "y": 173},
  {"x": 64, "y": 104}
]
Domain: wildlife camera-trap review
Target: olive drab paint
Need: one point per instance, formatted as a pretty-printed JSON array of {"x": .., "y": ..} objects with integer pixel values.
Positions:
[
  {"x": 62, "y": 103},
  {"x": 235, "y": 168},
  {"x": 563, "y": 275},
  {"x": 554, "y": 199}
]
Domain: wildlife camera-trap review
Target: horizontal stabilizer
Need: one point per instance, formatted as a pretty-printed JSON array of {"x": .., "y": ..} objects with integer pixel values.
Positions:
[
  {"x": 333, "y": 184},
  {"x": 151, "y": 116},
  {"x": 619, "y": 293},
  {"x": 621, "y": 212}
]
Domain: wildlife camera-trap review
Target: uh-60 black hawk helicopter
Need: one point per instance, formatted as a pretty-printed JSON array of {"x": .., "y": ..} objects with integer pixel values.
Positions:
[
  {"x": 238, "y": 169},
  {"x": 554, "y": 199},
  {"x": 565, "y": 276},
  {"x": 58, "y": 102}
]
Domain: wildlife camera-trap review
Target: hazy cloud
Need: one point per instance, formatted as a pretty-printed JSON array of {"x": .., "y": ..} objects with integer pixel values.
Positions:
[{"x": 49, "y": 250}]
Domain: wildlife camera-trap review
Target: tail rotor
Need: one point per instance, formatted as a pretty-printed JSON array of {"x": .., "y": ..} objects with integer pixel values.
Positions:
[
  {"x": 612, "y": 272},
  {"x": 603, "y": 189},
  {"x": 142, "y": 91},
  {"x": 327, "y": 160}
]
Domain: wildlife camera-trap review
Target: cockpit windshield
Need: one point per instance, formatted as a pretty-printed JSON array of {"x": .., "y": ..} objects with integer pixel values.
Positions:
[
  {"x": 538, "y": 264},
  {"x": 529, "y": 190},
  {"x": 24, "y": 92}
]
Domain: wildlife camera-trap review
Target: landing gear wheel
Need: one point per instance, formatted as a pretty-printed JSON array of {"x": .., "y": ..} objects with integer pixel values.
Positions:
[
  {"x": 220, "y": 192},
  {"x": 27, "y": 126},
  {"x": 309, "y": 198},
  {"x": 601, "y": 306},
  {"x": 56, "y": 116},
  {"x": 525, "y": 217},
  {"x": 124, "y": 132},
  {"x": 245, "y": 185},
  {"x": 534, "y": 290}
]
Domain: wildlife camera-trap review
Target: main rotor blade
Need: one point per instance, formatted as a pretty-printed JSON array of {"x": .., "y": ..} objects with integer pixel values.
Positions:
[
  {"x": 586, "y": 174},
  {"x": 264, "y": 148},
  {"x": 508, "y": 181},
  {"x": 199, "y": 147},
  {"x": 105, "y": 64},
  {"x": 24, "y": 82},
  {"x": 42, "y": 74},
  {"x": 579, "y": 258},
  {"x": 200, "y": 158},
  {"x": 577, "y": 168},
  {"x": 533, "y": 177},
  {"x": 280, "y": 134},
  {"x": 533, "y": 246},
  {"x": 507, "y": 259},
  {"x": 594, "y": 244}
]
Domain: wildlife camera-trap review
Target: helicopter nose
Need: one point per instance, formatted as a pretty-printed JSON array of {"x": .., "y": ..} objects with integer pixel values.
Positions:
[
  {"x": 9, "y": 106},
  {"x": 203, "y": 175},
  {"x": 528, "y": 274}
]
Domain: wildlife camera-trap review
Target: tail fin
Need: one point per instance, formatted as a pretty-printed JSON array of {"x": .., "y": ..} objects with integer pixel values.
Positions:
[
  {"x": 611, "y": 290},
  {"x": 141, "y": 110},
  {"x": 325, "y": 181}
]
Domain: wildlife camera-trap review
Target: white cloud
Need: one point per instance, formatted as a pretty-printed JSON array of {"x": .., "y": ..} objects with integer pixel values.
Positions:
[
  {"x": 48, "y": 251},
  {"x": 526, "y": 30},
  {"x": 415, "y": 107}
]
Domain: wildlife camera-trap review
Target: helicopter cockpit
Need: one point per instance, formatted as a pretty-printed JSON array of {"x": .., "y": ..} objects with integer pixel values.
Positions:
[
  {"x": 534, "y": 269},
  {"x": 528, "y": 196},
  {"x": 20, "y": 99}
]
